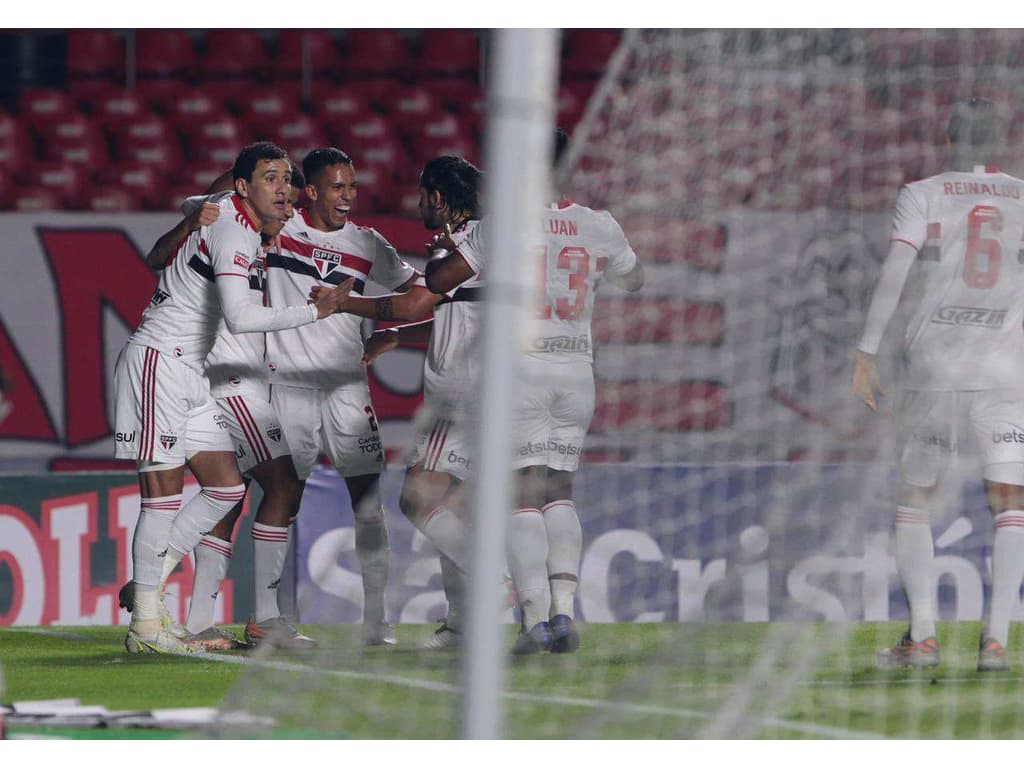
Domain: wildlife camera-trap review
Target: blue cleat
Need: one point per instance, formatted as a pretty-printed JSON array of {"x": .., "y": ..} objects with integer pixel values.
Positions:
[
  {"x": 536, "y": 640},
  {"x": 565, "y": 638}
]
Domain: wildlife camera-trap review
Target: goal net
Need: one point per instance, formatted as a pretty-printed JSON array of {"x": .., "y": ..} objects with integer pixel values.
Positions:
[{"x": 737, "y": 499}]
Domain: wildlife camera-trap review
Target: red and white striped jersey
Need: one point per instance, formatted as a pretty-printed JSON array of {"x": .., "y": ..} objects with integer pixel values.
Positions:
[
  {"x": 207, "y": 280},
  {"x": 240, "y": 359},
  {"x": 968, "y": 228},
  {"x": 452, "y": 363},
  {"x": 327, "y": 355},
  {"x": 579, "y": 246}
]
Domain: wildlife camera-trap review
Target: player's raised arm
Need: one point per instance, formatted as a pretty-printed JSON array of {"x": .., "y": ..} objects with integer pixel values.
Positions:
[
  {"x": 163, "y": 250},
  {"x": 414, "y": 334},
  {"x": 412, "y": 301}
]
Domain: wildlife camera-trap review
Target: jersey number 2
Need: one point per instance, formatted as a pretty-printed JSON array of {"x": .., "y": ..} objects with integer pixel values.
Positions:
[
  {"x": 984, "y": 254},
  {"x": 575, "y": 261}
]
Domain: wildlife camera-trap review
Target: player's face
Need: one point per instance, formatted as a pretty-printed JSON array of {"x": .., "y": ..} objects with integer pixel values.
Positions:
[
  {"x": 273, "y": 229},
  {"x": 267, "y": 193},
  {"x": 334, "y": 194},
  {"x": 430, "y": 209}
]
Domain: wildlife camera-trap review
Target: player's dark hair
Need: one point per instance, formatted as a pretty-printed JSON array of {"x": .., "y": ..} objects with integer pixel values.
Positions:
[
  {"x": 975, "y": 124},
  {"x": 457, "y": 180},
  {"x": 298, "y": 179},
  {"x": 315, "y": 162},
  {"x": 249, "y": 157},
  {"x": 558, "y": 146}
]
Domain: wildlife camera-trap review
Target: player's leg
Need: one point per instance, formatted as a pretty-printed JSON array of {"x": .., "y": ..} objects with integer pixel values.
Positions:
[
  {"x": 351, "y": 439},
  {"x": 565, "y": 546},
  {"x": 149, "y": 416},
  {"x": 995, "y": 416},
  {"x": 925, "y": 424},
  {"x": 526, "y": 552}
]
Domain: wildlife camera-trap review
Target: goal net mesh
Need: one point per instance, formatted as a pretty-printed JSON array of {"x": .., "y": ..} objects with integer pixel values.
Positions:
[{"x": 737, "y": 499}]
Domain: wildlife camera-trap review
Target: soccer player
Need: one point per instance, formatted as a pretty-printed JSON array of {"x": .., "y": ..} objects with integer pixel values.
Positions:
[
  {"x": 440, "y": 460},
  {"x": 238, "y": 381},
  {"x": 319, "y": 388},
  {"x": 165, "y": 414},
  {"x": 965, "y": 369},
  {"x": 579, "y": 246}
]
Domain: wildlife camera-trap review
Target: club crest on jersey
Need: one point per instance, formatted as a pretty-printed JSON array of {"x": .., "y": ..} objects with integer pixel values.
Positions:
[
  {"x": 274, "y": 432},
  {"x": 168, "y": 440},
  {"x": 325, "y": 262}
]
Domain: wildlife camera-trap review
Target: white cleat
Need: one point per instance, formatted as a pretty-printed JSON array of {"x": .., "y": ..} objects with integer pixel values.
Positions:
[
  {"x": 444, "y": 638},
  {"x": 163, "y": 642},
  {"x": 378, "y": 633}
]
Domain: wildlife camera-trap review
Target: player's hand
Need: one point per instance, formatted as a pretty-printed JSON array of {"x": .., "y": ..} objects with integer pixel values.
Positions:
[
  {"x": 443, "y": 240},
  {"x": 865, "y": 379},
  {"x": 206, "y": 214},
  {"x": 379, "y": 343},
  {"x": 273, "y": 245},
  {"x": 331, "y": 301}
]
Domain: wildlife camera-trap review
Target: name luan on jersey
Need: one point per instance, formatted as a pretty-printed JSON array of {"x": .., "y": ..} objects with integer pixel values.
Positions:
[
  {"x": 184, "y": 315},
  {"x": 327, "y": 354},
  {"x": 579, "y": 246},
  {"x": 966, "y": 332}
]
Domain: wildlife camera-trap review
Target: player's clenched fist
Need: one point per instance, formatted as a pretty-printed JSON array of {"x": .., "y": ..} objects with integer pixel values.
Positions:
[
  {"x": 329, "y": 301},
  {"x": 203, "y": 216},
  {"x": 865, "y": 379}
]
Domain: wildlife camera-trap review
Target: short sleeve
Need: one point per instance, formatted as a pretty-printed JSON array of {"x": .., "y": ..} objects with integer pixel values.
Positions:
[
  {"x": 910, "y": 220},
  {"x": 232, "y": 248},
  {"x": 621, "y": 257},
  {"x": 471, "y": 248},
  {"x": 388, "y": 268}
]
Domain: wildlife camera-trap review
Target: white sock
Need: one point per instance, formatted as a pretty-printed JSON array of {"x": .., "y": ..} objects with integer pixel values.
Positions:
[
  {"x": 270, "y": 545},
  {"x": 1007, "y": 573},
  {"x": 915, "y": 561},
  {"x": 565, "y": 543},
  {"x": 374, "y": 554},
  {"x": 454, "y": 591},
  {"x": 527, "y": 552},
  {"x": 201, "y": 515},
  {"x": 213, "y": 556},
  {"x": 448, "y": 534},
  {"x": 156, "y": 518}
]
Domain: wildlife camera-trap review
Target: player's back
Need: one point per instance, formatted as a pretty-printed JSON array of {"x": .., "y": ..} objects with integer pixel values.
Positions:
[
  {"x": 966, "y": 332},
  {"x": 578, "y": 247},
  {"x": 183, "y": 317}
]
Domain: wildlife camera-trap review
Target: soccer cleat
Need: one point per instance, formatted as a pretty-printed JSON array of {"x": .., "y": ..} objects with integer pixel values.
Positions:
[
  {"x": 909, "y": 654},
  {"x": 444, "y": 638},
  {"x": 565, "y": 638},
  {"x": 992, "y": 656},
  {"x": 162, "y": 643},
  {"x": 217, "y": 639},
  {"x": 278, "y": 633},
  {"x": 378, "y": 633},
  {"x": 536, "y": 640},
  {"x": 126, "y": 600}
]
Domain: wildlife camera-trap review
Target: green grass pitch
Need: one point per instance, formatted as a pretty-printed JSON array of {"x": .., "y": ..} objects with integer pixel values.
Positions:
[{"x": 628, "y": 681}]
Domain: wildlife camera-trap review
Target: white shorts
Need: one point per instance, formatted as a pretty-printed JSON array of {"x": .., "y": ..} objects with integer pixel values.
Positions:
[
  {"x": 163, "y": 409},
  {"x": 553, "y": 413},
  {"x": 255, "y": 428},
  {"x": 933, "y": 426},
  {"x": 443, "y": 444},
  {"x": 340, "y": 423}
]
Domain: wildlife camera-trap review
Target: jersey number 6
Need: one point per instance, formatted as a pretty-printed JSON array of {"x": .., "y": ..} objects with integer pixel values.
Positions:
[{"x": 982, "y": 272}]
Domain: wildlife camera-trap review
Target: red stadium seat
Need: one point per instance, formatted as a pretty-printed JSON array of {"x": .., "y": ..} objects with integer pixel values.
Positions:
[
  {"x": 297, "y": 128},
  {"x": 147, "y": 127},
  {"x": 144, "y": 180},
  {"x": 700, "y": 406},
  {"x": 644, "y": 321},
  {"x": 89, "y": 152},
  {"x": 262, "y": 109},
  {"x": 386, "y": 156},
  {"x": 664, "y": 239},
  {"x": 94, "y": 53},
  {"x": 164, "y": 155},
  {"x": 112, "y": 106},
  {"x": 432, "y": 146},
  {"x": 410, "y": 106},
  {"x": 244, "y": 45},
  {"x": 449, "y": 52},
  {"x": 294, "y": 44},
  {"x": 375, "y": 52},
  {"x": 35, "y": 198},
  {"x": 6, "y": 183},
  {"x": 191, "y": 106},
  {"x": 15, "y": 144},
  {"x": 376, "y": 190},
  {"x": 376, "y": 92},
  {"x": 339, "y": 108},
  {"x": 70, "y": 126},
  {"x": 457, "y": 93},
  {"x": 219, "y": 152},
  {"x": 112, "y": 199},
  {"x": 164, "y": 53},
  {"x": 161, "y": 93},
  {"x": 367, "y": 130},
  {"x": 231, "y": 91},
  {"x": 39, "y": 107},
  {"x": 588, "y": 51},
  {"x": 222, "y": 127},
  {"x": 198, "y": 176},
  {"x": 67, "y": 181}
]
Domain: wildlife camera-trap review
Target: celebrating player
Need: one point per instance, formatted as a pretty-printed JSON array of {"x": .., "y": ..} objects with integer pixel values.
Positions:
[
  {"x": 965, "y": 368},
  {"x": 319, "y": 387},
  {"x": 165, "y": 414}
]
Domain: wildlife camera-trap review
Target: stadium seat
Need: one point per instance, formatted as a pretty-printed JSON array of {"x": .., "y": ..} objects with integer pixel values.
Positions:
[
  {"x": 146, "y": 127},
  {"x": 216, "y": 151},
  {"x": 160, "y": 93},
  {"x": 244, "y": 45},
  {"x": 110, "y": 107},
  {"x": 93, "y": 53},
  {"x": 458, "y": 144},
  {"x": 144, "y": 180},
  {"x": 410, "y": 107},
  {"x": 70, "y": 126},
  {"x": 339, "y": 108},
  {"x": 164, "y": 155},
  {"x": 89, "y": 152},
  {"x": 191, "y": 106},
  {"x": 263, "y": 108},
  {"x": 448, "y": 52},
  {"x": 198, "y": 176},
  {"x": 30, "y": 199},
  {"x": 588, "y": 51},
  {"x": 376, "y": 92},
  {"x": 39, "y": 107},
  {"x": 293, "y": 129},
  {"x": 221, "y": 127},
  {"x": 292, "y": 45},
  {"x": 67, "y": 181},
  {"x": 15, "y": 144},
  {"x": 700, "y": 406},
  {"x": 363, "y": 131},
  {"x": 642, "y": 321},
  {"x": 663, "y": 239},
  {"x": 112, "y": 199},
  {"x": 164, "y": 53},
  {"x": 387, "y": 156},
  {"x": 375, "y": 52},
  {"x": 456, "y": 93}
]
